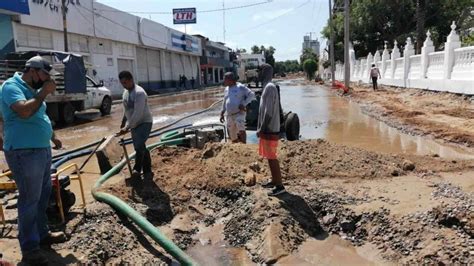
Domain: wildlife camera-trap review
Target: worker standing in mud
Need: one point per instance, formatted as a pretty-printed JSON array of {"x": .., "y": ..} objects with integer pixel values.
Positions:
[
  {"x": 27, "y": 135},
  {"x": 137, "y": 118},
  {"x": 374, "y": 74},
  {"x": 236, "y": 98},
  {"x": 268, "y": 129}
]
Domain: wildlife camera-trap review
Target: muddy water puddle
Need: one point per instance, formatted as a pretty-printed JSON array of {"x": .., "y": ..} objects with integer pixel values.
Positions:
[
  {"x": 325, "y": 115},
  {"x": 212, "y": 249}
]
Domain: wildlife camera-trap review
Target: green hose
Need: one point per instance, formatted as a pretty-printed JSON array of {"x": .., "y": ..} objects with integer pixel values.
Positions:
[
  {"x": 123, "y": 208},
  {"x": 169, "y": 135}
]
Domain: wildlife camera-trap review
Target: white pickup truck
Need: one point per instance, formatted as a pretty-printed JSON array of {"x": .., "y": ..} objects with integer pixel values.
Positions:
[
  {"x": 62, "y": 105},
  {"x": 64, "y": 102}
]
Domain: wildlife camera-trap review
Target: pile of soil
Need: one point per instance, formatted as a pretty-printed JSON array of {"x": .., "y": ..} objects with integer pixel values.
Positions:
[
  {"x": 194, "y": 190},
  {"x": 100, "y": 235},
  {"x": 445, "y": 116}
]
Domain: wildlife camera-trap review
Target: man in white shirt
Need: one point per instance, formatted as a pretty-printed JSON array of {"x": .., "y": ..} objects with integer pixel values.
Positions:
[
  {"x": 374, "y": 74},
  {"x": 236, "y": 98}
]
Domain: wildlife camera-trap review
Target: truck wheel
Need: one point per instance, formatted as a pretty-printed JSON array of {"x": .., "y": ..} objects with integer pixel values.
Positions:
[
  {"x": 66, "y": 113},
  {"x": 292, "y": 127},
  {"x": 106, "y": 106}
]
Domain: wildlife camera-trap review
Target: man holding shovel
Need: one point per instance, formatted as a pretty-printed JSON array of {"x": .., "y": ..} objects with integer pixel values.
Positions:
[{"x": 137, "y": 118}]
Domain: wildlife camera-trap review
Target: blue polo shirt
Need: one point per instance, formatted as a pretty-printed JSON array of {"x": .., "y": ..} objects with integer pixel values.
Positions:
[{"x": 21, "y": 133}]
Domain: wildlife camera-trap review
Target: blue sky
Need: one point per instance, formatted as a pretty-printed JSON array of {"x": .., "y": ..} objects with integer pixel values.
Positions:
[{"x": 280, "y": 23}]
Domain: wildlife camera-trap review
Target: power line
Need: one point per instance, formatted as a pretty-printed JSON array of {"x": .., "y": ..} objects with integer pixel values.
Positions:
[
  {"x": 197, "y": 11},
  {"x": 125, "y": 27},
  {"x": 271, "y": 20},
  {"x": 87, "y": 19}
]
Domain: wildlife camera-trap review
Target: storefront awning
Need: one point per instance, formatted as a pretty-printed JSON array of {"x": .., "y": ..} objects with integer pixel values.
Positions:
[{"x": 14, "y": 7}]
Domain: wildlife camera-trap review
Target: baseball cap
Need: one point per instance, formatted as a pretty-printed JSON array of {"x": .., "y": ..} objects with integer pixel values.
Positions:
[
  {"x": 230, "y": 75},
  {"x": 40, "y": 63}
]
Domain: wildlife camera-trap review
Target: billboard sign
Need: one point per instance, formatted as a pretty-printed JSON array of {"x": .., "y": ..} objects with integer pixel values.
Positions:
[
  {"x": 184, "y": 15},
  {"x": 184, "y": 42}
]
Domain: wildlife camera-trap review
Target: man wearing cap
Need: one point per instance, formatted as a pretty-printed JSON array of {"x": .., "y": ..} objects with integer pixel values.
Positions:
[
  {"x": 27, "y": 134},
  {"x": 236, "y": 98},
  {"x": 268, "y": 129}
]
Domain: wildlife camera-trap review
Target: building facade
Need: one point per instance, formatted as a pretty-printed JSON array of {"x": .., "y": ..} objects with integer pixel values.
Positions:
[
  {"x": 109, "y": 40},
  {"x": 309, "y": 43},
  {"x": 215, "y": 61}
]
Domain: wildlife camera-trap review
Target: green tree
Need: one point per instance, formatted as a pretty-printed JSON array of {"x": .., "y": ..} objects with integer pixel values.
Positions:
[
  {"x": 240, "y": 50},
  {"x": 280, "y": 67},
  {"x": 310, "y": 66},
  {"x": 267, "y": 53},
  {"x": 255, "y": 50},
  {"x": 308, "y": 54},
  {"x": 375, "y": 21},
  {"x": 326, "y": 64},
  {"x": 287, "y": 66}
]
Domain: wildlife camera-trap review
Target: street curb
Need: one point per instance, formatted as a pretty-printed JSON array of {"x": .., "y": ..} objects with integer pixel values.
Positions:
[{"x": 114, "y": 102}]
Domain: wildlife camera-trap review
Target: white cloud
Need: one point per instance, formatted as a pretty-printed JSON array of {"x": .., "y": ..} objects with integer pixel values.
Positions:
[
  {"x": 267, "y": 15},
  {"x": 288, "y": 54},
  {"x": 270, "y": 31}
]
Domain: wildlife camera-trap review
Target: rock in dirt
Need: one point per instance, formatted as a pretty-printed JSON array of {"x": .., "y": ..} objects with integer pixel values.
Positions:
[
  {"x": 255, "y": 167},
  {"x": 408, "y": 166},
  {"x": 329, "y": 219},
  {"x": 250, "y": 179},
  {"x": 272, "y": 248}
]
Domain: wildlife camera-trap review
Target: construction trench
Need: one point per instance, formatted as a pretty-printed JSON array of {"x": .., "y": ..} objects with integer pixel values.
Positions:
[{"x": 360, "y": 191}]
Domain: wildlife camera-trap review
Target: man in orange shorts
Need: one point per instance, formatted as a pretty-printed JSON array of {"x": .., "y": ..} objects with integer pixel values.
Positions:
[{"x": 268, "y": 129}]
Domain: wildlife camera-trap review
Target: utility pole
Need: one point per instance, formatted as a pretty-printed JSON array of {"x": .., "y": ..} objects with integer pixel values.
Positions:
[
  {"x": 347, "y": 66},
  {"x": 63, "y": 9},
  {"x": 331, "y": 45},
  {"x": 223, "y": 18}
]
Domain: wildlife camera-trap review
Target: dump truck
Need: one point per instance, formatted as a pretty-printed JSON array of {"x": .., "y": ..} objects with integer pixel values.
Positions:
[{"x": 76, "y": 91}]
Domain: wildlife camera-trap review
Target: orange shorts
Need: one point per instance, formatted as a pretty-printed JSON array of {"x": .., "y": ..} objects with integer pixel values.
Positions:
[{"x": 267, "y": 146}]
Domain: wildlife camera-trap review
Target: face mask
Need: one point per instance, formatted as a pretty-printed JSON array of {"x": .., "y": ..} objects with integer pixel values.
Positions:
[{"x": 37, "y": 84}]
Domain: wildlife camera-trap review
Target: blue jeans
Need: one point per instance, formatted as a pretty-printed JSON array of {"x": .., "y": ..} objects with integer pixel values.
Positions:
[
  {"x": 31, "y": 170},
  {"x": 140, "y": 135}
]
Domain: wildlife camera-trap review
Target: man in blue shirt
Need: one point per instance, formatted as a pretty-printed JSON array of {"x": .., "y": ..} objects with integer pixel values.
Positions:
[{"x": 27, "y": 134}]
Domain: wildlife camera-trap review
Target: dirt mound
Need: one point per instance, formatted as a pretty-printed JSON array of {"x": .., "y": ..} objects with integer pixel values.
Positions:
[
  {"x": 195, "y": 190},
  {"x": 100, "y": 235}
]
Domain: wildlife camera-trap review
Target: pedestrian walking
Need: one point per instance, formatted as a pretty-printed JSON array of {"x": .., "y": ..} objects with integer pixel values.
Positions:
[
  {"x": 374, "y": 74},
  {"x": 180, "y": 83},
  {"x": 185, "y": 79},
  {"x": 236, "y": 98},
  {"x": 268, "y": 129},
  {"x": 27, "y": 134},
  {"x": 192, "y": 82},
  {"x": 137, "y": 118}
]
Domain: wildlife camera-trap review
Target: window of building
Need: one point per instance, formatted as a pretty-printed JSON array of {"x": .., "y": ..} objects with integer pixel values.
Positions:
[
  {"x": 34, "y": 37},
  {"x": 78, "y": 43},
  {"x": 125, "y": 50}
]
